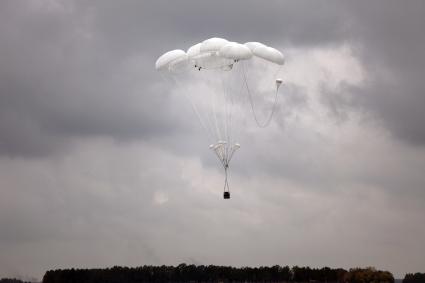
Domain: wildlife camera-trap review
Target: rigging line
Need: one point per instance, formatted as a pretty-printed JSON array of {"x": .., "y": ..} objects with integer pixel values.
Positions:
[
  {"x": 207, "y": 114},
  {"x": 226, "y": 117},
  {"x": 219, "y": 153},
  {"x": 214, "y": 114},
  {"x": 238, "y": 74},
  {"x": 223, "y": 160},
  {"x": 204, "y": 117},
  {"x": 210, "y": 113},
  {"x": 226, "y": 182},
  {"x": 232, "y": 108},
  {"x": 223, "y": 152},
  {"x": 267, "y": 122},
  {"x": 277, "y": 71},
  {"x": 230, "y": 101},
  {"x": 225, "y": 106},
  {"x": 194, "y": 108},
  {"x": 219, "y": 157},
  {"x": 233, "y": 152},
  {"x": 235, "y": 95}
]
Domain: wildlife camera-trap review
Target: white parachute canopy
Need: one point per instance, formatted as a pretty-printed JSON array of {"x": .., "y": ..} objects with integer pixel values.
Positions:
[
  {"x": 235, "y": 51},
  {"x": 220, "y": 78}
]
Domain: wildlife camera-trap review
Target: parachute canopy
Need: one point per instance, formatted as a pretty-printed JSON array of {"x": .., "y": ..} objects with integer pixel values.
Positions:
[
  {"x": 170, "y": 58},
  {"x": 219, "y": 53}
]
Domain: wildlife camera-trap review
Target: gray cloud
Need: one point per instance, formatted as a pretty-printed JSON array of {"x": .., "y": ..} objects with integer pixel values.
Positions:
[
  {"x": 390, "y": 46},
  {"x": 101, "y": 163},
  {"x": 85, "y": 68}
]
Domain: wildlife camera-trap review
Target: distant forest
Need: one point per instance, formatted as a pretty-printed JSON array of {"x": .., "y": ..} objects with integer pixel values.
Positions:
[
  {"x": 214, "y": 274},
  {"x": 184, "y": 273}
]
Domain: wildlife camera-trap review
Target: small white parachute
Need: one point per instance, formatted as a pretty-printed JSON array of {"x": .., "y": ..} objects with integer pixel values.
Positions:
[{"x": 219, "y": 77}]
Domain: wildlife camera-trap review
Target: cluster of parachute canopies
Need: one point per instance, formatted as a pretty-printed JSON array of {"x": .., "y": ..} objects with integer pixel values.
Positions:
[
  {"x": 222, "y": 58},
  {"x": 217, "y": 53}
]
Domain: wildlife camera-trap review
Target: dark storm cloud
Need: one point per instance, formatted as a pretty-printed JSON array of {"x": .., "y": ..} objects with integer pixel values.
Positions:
[
  {"x": 86, "y": 68},
  {"x": 304, "y": 23},
  {"x": 390, "y": 42},
  {"x": 58, "y": 79}
]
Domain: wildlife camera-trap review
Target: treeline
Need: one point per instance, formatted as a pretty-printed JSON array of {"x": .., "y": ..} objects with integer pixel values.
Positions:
[
  {"x": 414, "y": 278},
  {"x": 12, "y": 280},
  {"x": 368, "y": 275},
  {"x": 211, "y": 274}
]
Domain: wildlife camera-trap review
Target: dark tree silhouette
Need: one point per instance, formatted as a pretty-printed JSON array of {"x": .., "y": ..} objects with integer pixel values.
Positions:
[
  {"x": 12, "y": 280},
  {"x": 185, "y": 273},
  {"x": 368, "y": 275},
  {"x": 414, "y": 278}
]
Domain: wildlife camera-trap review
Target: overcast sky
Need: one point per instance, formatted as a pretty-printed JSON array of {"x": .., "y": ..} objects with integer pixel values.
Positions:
[{"x": 102, "y": 164}]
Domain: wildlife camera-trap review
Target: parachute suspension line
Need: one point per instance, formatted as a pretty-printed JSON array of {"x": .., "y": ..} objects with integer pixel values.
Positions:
[
  {"x": 222, "y": 158},
  {"x": 234, "y": 148},
  {"x": 225, "y": 152},
  {"x": 223, "y": 85},
  {"x": 236, "y": 96},
  {"x": 227, "y": 126},
  {"x": 214, "y": 114},
  {"x": 229, "y": 102},
  {"x": 229, "y": 116},
  {"x": 268, "y": 120},
  {"x": 215, "y": 135},
  {"x": 226, "y": 182},
  {"x": 211, "y": 116},
  {"x": 206, "y": 116},
  {"x": 194, "y": 108}
]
